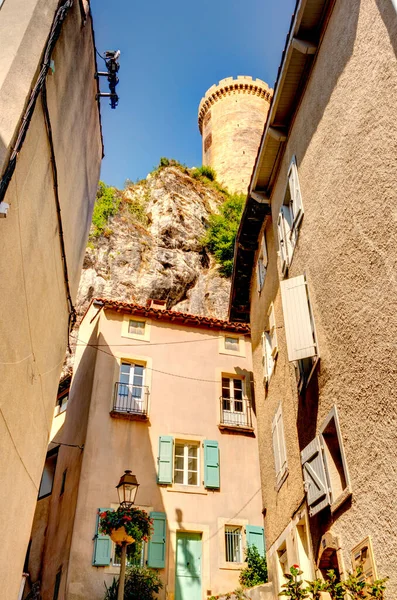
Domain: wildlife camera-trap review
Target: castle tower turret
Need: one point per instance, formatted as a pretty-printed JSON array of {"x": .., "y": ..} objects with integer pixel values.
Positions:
[{"x": 231, "y": 118}]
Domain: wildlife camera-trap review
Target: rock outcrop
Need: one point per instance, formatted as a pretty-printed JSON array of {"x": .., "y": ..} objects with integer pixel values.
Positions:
[{"x": 160, "y": 254}]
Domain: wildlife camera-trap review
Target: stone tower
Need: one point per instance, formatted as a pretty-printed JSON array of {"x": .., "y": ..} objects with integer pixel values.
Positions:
[{"x": 231, "y": 118}]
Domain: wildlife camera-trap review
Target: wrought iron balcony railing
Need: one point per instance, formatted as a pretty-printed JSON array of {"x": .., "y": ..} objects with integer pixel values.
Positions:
[
  {"x": 130, "y": 399},
  {"x": 235, "y": 412}
]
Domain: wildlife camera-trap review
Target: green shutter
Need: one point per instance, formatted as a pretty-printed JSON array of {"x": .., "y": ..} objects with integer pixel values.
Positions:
[
  {"x": 256, "y": 537},
  {"x": 165, "y": 459},
  {"x": 102, "y": 545},
  {"x": 211, "y": 465},
  {"x": 156, "y": 549}
]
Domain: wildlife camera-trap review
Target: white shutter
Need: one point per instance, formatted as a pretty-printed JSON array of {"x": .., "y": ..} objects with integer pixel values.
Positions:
[
  {"x": 268, "y": 361},
  {"x": 272, "y": 330},
  {"x": 297, "y": 319},
  {"x": 264, "y": 250},
  {"x": 282, "y": 242},
  {"x": 281, "y": 442},
  {"x": 276, "y": 451},
  {"x": 315, "y": 477},
  {"x": 295, "y": 192},
  {"x": 258, "y": 276}
]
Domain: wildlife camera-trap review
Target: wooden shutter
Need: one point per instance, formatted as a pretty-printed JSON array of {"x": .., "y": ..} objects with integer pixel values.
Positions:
[
  {"x": 157, "y": 542},
  {"x": 315, "y": 477},
  {"x": 102, "y": 545},
  {"x": 264, "y": 250},
  {"x": 211, "y": 465},
  {"x": 165, "y": 459},
  {"x": 272, "y": 330},
  {"x": 297, "y": 319},
  {"x": 276, "y": 450},
  {"x": 295, "y": 192},
  {"x": 268, "y": 361},
  {"x": 256, "y": 537},
  {"x": 282, "y": 242}
]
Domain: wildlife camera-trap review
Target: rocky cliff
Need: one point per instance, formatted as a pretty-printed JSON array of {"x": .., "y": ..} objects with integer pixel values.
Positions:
[{"x": 151, "y": 247}]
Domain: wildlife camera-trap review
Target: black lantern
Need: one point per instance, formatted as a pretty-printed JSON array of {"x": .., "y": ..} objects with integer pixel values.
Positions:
[{"x": 127, "y": 489}]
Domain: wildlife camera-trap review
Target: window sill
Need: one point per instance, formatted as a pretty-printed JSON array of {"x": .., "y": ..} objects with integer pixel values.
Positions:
[
  {"x": 281, "y": 480},
  {"x": 243, "y": 429},
  {"x": 345, "y": 495},
  {"x": 188, "y": 489},
  {"x": 226, "y": 566}
]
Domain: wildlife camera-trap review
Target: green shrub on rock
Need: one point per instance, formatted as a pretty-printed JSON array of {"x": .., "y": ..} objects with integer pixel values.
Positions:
[
  {"x": 141, "y": 583},
  {"x": 256, "y": 570}
]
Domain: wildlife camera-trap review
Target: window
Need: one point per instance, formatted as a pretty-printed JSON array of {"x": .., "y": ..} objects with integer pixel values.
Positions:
[
  {"x": 62, "y": 403},
  {"x": 233, "y": 544},
  {"x": 232, "y": 343},
  {"x": 269, "y": 345},
  {"x": 363, "y": 557},
  {"x": 290, "y": 217},
  {"x": 47, "y": 478},
  {"x": 57, "y": 585},
  {"x": 279, "y": 450},
  {"x": 63, "y": 482},
  {"x": 261, "y": 266},
  {"x": 283, "y": 564},
  {"x": 131, "y": 392},
  {"x": 136, "y": 327},
  {"x": 325, "y": 473},
  {"x": 235, "y": 410},
  {"x": 135, "y": 555},
  {"x": 186, "y": 463},
  {"x": 300, "y": 332}
]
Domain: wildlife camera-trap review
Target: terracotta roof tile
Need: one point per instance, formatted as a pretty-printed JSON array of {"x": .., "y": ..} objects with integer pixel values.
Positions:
[{"x": 173, "y": 315}]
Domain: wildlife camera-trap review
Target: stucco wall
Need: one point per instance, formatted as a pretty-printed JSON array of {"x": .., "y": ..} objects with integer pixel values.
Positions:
[
  {"x": 231, "y": 117},
  {"x": 344, "y": 140},
  {"x": 33, "y": 327},
  {"x": 179, "y": 407}
]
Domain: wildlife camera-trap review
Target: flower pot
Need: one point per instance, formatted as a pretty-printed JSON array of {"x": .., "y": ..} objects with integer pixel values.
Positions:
[{"x": 118, "y": 536}]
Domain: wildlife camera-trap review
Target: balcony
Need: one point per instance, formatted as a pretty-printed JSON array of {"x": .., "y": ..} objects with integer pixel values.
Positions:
[
  {"x": 235, "y": 414},
  {"x": 130, "y": 401}
]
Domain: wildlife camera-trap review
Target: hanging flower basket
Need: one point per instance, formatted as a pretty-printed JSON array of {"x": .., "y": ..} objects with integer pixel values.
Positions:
[
  {"x": 125, "y": 525},
  {"x": 118, "y": 536}
]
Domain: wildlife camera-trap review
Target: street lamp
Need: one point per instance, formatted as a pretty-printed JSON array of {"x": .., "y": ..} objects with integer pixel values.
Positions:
[{"x": 127, "y": 490}]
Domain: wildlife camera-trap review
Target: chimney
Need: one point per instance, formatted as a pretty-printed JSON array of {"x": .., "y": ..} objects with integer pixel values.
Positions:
[{"x": 158, "y": 304}]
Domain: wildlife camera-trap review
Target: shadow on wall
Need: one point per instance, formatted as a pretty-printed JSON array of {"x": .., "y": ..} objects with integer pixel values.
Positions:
[
  {"x": 188, "y": 572},
  {"x": 389, "y": 17},
  {"x": 343, "y": 47}
]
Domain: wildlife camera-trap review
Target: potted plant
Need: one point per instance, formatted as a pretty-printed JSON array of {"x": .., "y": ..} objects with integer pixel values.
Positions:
[{"x": 125, "y": 525}]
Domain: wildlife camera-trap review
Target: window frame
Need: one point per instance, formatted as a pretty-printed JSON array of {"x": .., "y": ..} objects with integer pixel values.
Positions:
[
  {"x": 269, "y": 345},
  {"x": 241, "y": 344},
  {"x": 278, "y": 438},
  {"x": 262, "y": 262},
  {"x": 61, "y": 406},
  {"x": 240, "y": 544},
  {"x": 136, "y": 336},
  {"x": 186, "y": 444},
  {"x": 50, "y": 454},
  {"x": 289, "y": 218}
]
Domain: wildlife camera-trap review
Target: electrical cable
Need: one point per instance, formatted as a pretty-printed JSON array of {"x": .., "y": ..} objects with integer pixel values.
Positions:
[{"x": 81, "y": 447}]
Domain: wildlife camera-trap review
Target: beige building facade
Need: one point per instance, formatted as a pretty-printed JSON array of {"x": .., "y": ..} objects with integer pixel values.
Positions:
[
  {"x": 231, "y": 118},
  {"x": 169, "y": 396},
  {"x": 314, "y": 274},
  {"x": 50, "y": 155}
]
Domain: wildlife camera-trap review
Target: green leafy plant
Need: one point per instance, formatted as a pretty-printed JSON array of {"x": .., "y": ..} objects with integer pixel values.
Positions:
[
  {"x": 377, "y": 588},
  {"x": 136, "y": 522},
  {"x": 315, "y": 588},
  {"x": 221, "y": 234},
  {"x": 355, "y": 585},
  {"x": 141, "y": 583},
  {"x": 204, "y": 171},
  {"x": 333, "y": 586},
  {"x": 293, "y": 588},
  {"x": 256, "y": 570},
  {"x": 106, "y": 205}
]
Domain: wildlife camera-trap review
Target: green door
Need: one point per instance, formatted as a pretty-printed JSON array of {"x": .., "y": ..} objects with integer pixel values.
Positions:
[{"x": 188, "y": 566}]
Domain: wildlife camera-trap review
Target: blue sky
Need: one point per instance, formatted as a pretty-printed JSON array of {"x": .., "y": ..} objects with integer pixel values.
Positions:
[{"x": 171, "y": 53}]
